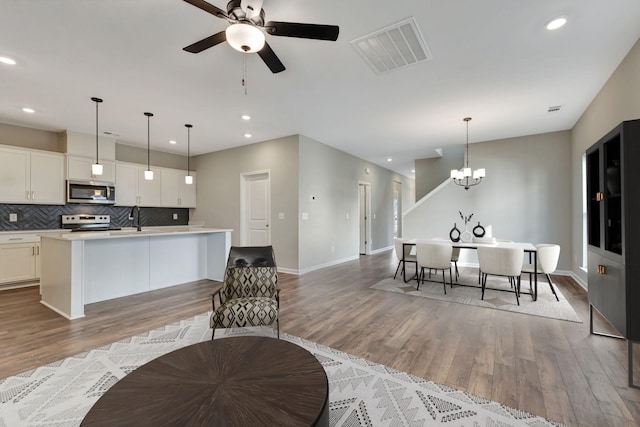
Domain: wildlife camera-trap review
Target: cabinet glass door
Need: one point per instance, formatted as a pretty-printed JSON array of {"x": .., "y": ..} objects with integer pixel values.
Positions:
[
  {"x": 613, "y": 196},
  {"x": 593, "y": 197}
]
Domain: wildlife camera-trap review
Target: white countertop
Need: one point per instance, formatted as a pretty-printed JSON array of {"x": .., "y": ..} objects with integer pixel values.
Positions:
[{"x": 131, "y": 232}]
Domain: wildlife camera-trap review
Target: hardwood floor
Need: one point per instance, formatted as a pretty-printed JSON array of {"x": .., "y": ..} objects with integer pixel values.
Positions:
[{"x": 549, "y": 367}]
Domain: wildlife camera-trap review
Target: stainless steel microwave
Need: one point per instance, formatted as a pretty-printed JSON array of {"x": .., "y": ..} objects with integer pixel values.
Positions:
[{"x": 100, "y": 192}]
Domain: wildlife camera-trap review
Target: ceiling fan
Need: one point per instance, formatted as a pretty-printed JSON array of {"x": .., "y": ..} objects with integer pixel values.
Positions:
[{"x": 246, "y": 32}]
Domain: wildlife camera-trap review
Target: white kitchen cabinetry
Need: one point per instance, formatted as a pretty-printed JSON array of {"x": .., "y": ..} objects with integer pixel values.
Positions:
[
  {"x": 80, "y": 168},
  {"x": 175, "y": 192},
  {"x": 19, "y": 259},
  {"x": 132, "y": 189},
  {"x": 31, "y": 176}
]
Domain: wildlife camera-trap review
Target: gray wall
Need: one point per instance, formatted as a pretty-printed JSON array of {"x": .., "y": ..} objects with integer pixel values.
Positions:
[
  {"x": 128, "y": 153},
  {"x": 34, "y": 139},
  {"x": 432, "y": 171},
  {"x": 300, "y": 168},
  {"x": 618, "y": 100},
  {"x": 50, "y": 141},
  {"x": 218, "y": 191},
  {"x": 332, "y": 177},
  {"x": 524, "y": 196}
]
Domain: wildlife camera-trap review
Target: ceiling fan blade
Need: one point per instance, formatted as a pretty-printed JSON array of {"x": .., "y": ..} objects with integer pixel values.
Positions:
[
  {"x": 203, "y": 44},
  {"x": 305, "y": 31},
  {"x": 271, "y": 59},
  {"x": 207, "y": 7}
]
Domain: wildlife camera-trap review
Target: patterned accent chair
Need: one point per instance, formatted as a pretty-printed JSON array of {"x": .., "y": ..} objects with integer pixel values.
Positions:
[{"x": 249, "y": 295}]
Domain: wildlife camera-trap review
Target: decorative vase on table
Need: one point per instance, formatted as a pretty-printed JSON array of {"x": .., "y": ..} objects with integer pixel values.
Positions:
[{"x": 454, "y": 234}]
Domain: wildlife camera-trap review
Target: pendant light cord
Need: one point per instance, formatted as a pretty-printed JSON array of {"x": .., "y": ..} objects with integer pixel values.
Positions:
[
  {"x": 467, "y": 119},
  {"x": 149, "y": 115},
  {"x": 188, "y": 126},
  {"x": 97, "y": 101},
  {"x": 97, "y": 132}
]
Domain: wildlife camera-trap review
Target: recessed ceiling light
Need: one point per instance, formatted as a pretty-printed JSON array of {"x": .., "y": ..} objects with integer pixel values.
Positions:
[
  {"x": 28, "y": 110},
  {"x": 7, "y": 61},
  {"x": 247, "y": 135},
  {"x": 246, "y": 117},
  {"x": 556, "y": 23},
  {"x": 389, "y": 159},
  {"x": 173, "y": 142}
]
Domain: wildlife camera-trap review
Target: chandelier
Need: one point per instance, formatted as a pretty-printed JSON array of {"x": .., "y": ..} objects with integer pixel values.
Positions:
[{"x": 464, "y": 177}]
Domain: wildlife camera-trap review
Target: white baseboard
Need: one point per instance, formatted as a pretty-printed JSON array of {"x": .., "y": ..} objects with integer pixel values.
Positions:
[
  {"x": 61, "y": 313},
  {"x": 377, "y": 251},
  {"x": 319, "y": 266}
]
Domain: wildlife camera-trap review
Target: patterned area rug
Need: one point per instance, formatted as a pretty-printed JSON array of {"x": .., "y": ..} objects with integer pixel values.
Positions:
[
  {"x": 545, "y": 306},
  {"x": 362, "y": 393}
]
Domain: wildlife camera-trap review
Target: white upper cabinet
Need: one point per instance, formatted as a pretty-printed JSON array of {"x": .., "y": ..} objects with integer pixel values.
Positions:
[
  {"x": 149, "y": 191},
  {"x": 133, "y": 189},
  {"x": 31, "y": 176},
  {"x": 80, "y": 168},
  {"x": 126, "y": 184},
  {"x": 175, "y": 192}
]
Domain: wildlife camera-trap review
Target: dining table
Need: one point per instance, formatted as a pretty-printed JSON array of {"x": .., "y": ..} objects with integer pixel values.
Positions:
[{"x": 529, "y": 248}]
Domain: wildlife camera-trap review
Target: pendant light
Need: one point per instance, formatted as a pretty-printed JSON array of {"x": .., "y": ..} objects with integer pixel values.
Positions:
[
  {"x": 464, "y": 177},
  {"x": 96, "y": 168},
  {"x": 148, "y": 174},
  {"x": 188, "y": 179}
]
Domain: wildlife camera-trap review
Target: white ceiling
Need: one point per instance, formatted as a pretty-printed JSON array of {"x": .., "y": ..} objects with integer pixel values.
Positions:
[{"x": 493, "y": 60}]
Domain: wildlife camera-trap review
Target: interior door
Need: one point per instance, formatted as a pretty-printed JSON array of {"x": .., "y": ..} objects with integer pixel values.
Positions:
[
  {"x": 363, "y": 216},
  {"x": 257, "y": 208}
]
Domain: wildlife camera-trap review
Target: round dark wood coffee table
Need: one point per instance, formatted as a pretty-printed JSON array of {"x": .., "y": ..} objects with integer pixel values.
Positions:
[{"x": 238, "y": 381}]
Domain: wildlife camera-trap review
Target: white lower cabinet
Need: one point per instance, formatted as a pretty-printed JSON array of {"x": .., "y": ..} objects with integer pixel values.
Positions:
[{"x": 19, "y": 262}]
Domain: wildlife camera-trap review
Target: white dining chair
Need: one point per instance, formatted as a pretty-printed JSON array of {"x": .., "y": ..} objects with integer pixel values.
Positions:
[
  {"x": 403, "y": 259},
  {"x": 497, "y": 261},
  {"x": 434, "y": 256},
  {"x": 455, "y": 255},
  {"x": 547, "y": 255}
]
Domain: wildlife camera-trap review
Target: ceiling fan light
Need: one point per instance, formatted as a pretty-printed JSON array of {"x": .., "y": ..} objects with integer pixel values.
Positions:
[{"x": 245, "y": 37}]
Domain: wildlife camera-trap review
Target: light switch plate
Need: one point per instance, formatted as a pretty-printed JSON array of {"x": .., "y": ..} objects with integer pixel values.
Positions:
[
  {"x": 175, "y": 216},
  {"x": 280, "y": 215},
  {"x": 305, "y": 215},
  {"x": 13, "y": 217}
]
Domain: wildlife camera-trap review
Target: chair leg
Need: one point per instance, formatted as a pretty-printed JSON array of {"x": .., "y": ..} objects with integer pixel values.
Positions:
[
  {"x": 551, "y": 286},
  {"x": 213, "y": 333},
  {"x": 484, "y": 283},
  {"x": 457, "y": 272},
  {"x": 420, "y": 275},
  {"x": 517, "y": 289},
  {"x": 450, "y": 279},
  {"x": 397, "y": 268},
  {"x": 278, "y": 326},
  {"x": 444, "y": 283}
]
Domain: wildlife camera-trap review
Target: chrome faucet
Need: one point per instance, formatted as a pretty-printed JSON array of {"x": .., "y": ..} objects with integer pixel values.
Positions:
[{"x": 131, "y": 217}]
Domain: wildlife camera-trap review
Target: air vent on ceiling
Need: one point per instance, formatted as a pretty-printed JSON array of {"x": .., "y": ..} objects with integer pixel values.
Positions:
[
  {"x": 554, "y": 108},
  {"x": 393, "y": 47}
]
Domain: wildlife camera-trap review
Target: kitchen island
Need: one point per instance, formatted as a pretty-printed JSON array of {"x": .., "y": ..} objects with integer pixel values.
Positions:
[{"x": 86, "y": 267}]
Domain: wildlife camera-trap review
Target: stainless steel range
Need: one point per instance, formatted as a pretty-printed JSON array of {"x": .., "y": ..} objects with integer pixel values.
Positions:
[{"x": 84, "y": 222}]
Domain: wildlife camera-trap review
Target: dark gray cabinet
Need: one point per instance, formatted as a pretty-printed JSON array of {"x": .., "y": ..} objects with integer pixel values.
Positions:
[{"x": 613, "y": 230}]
